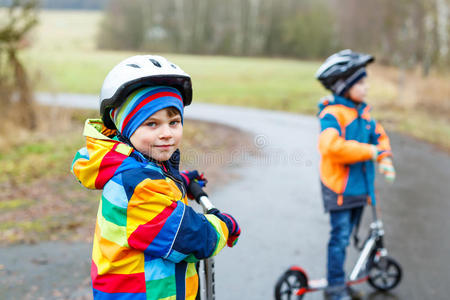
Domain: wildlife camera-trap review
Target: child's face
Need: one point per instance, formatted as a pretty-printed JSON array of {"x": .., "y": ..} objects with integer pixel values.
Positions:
[
  {"x": 159, "y": 136},
  {"x": 358, "y": 91}
]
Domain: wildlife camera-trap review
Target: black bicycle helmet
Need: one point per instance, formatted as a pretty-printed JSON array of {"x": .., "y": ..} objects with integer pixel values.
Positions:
[
  {"x": 339, "y": 67},
  {"x": 139, "y": 71}
]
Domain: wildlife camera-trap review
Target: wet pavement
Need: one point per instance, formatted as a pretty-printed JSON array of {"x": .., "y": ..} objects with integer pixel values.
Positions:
[
  {"x": 51, "y": 270},
  {"x": 276, "y": 198}
]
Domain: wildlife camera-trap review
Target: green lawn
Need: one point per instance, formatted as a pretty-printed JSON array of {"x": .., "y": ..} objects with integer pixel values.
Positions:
[
  {"x": 266, "y": 83},
  {"x": 66, "y": 60}
]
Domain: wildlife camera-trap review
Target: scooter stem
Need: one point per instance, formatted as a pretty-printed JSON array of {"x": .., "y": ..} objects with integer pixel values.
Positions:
[
  {"x": 375, "y": 213},
  {"x": 205, "y": 203}
]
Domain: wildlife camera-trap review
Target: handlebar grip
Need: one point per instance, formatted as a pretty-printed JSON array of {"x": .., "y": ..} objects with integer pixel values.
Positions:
[{"x": 196, "y": 190}]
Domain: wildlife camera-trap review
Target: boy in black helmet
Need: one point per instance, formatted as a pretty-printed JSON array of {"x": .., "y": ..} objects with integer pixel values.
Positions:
[{"x": 350, "y": 143}]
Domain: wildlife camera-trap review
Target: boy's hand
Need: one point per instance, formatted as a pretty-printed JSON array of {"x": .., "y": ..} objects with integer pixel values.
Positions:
[
  {"x": 377, "y": 154},
  {"x": 233, "y": 228},
  {"x": 386, "y": 167},
  {"x": 188, "y": 176}
]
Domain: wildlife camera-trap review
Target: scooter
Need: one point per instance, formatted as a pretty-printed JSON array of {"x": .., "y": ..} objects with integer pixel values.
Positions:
[
  {"x": 205, "y": 268},
  {"x": 374, "y": 265}
]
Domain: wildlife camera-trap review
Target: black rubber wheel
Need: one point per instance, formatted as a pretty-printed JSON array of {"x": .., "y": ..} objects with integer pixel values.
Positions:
[
  {"x": 288, "y": 284},
  {"x": 385, "y": 274}
]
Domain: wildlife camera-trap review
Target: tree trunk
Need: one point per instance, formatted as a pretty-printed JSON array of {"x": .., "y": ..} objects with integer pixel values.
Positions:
[
  {"x": 442, "y": 10},
  {"x": 27, "y": 116}
]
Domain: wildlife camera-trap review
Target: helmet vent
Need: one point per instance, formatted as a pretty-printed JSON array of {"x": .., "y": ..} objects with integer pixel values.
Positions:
[
  {"x": 133, "y": 66},
  {"x": 155, "y": 62},
  {"x": 173, "y": 66}
]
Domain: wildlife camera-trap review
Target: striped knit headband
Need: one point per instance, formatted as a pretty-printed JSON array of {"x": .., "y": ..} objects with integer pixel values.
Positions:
[{"x": 143, "y": 103}]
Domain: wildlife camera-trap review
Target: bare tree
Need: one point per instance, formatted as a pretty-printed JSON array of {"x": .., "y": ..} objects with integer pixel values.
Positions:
[
  {"x": 14, "y": 81},
  {"x": 443, "y": 15}
]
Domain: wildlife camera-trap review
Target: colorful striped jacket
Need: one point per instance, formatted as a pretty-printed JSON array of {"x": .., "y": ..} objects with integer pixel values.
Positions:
[
  {"x": 347, "y": 171},
  {"x": 147, "y": 239}
]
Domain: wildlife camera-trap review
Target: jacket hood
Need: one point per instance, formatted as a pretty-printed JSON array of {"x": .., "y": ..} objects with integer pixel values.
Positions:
[
  {"x": 102, "y": 158},
  {"x": 339, "y": 100}
]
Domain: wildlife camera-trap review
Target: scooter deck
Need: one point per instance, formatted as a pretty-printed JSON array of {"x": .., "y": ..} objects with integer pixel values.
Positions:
[{"x": 322, "y": 284}]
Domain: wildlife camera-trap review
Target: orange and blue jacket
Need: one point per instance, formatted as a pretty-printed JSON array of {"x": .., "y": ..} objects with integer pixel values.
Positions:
[
  {"x": 347, "y": 171},
  {"x": 147, "y": 239}
]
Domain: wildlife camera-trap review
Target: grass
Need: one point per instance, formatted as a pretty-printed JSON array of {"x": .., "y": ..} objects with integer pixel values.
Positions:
[
  {"x": 66, "y": 60},
  {"x": 40, "y": 200},
  {"x": 39, "y": 159},
  {"x": 227, "y": 80},
  {"x": 13, "y": 204}
]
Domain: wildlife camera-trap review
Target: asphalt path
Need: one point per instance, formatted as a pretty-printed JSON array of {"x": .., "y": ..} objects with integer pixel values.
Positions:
[{"x": 276, "y": 198}]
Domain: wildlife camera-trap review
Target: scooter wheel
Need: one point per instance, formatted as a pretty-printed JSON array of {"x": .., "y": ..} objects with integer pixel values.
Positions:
[
  {"x": 288, "y": 284},
  {"x": 385, "y": 274}
]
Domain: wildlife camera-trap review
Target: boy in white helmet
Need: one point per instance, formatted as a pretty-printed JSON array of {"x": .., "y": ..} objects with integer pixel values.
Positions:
[
  {"x": 147, "y": 239},
  {"x": 350, "y": 143}
]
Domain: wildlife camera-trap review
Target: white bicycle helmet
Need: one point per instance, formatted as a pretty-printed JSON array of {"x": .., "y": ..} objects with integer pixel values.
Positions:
[
  {"x": 138, "y": 71},
  {"x": 340, "y": 66}
]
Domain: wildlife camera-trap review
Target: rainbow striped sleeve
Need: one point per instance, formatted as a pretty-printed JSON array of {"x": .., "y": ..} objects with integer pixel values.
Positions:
[{"x": 162, "y": 227}]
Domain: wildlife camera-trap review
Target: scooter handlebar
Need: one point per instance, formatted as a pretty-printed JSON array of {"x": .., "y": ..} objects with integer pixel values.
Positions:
[
  {"x": 196, "y": 190},
  {"x": 200, "y": 195}
]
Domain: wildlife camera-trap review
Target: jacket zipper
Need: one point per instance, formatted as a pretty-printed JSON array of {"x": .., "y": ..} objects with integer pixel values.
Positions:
[
  {"x": 162, "y": 167},
  {"x": 181, "y": 183},
  {"x": 364, "y": 166}
]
